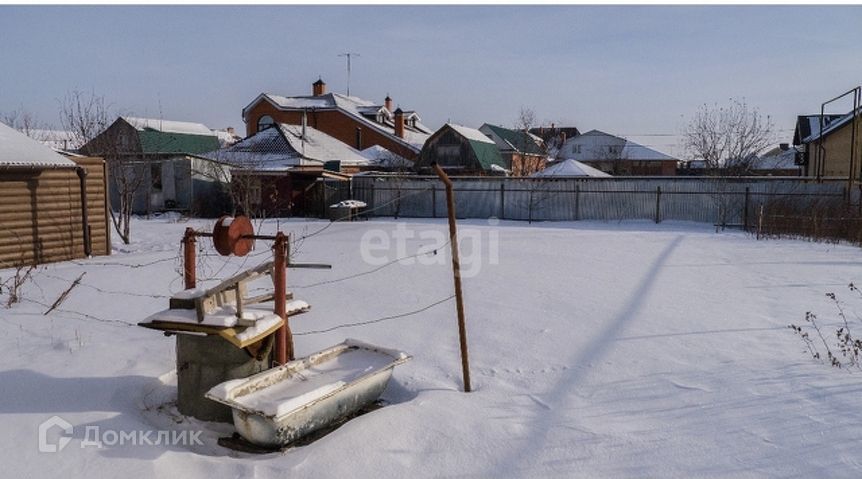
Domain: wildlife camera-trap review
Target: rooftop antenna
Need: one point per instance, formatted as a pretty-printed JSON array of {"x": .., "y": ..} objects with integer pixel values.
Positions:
[{"x": 348, "y": 55}]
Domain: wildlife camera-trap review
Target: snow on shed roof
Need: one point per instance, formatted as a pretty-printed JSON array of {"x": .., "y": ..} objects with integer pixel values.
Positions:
[
  {"x": 518, "y": 140},
  {"x": 379, "y": 155},
  {"x": 168, "y": 126},
  {"x": 471, "y": 133},
  {"x": 16, "y": 149},
  {"x": 570, "y": 168}
]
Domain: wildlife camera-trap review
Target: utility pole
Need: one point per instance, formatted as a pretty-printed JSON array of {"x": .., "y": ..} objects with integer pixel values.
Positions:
[{"x": 348, "y": 55}]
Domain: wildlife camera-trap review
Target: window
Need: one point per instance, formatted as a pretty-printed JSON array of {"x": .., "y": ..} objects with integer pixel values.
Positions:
[
  {"x": 254, "y": 192},
  {"x": 265, "y": 122},
  {"x": 358, "y": 138},
  {"x": 156, "y": 176}
]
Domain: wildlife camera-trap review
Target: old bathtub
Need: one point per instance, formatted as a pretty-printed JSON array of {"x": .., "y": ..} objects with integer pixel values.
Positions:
[{"x": 277, "y": 406}]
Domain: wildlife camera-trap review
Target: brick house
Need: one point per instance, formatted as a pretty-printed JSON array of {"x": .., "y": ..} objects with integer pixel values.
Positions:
[
  {"x": 356, "y": 122},
  {"x": 617, "y": 156},
  {"x": 282, "y": 169}
]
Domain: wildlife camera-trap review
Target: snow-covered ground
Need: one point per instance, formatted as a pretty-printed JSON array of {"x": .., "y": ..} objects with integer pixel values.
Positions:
[{"x": 597, "y": 350}]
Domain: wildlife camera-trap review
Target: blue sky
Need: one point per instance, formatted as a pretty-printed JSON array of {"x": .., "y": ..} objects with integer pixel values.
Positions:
[{"x": 629, "y": 70}]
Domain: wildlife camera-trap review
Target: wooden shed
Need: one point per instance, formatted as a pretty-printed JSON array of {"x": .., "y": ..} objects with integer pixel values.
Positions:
[
  {"x": 41, "y": 194},
  {"x": 461, "y": 151}
]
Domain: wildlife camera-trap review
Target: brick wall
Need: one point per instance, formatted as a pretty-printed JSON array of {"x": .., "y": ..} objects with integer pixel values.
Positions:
[{"x": 333, "y": 123}]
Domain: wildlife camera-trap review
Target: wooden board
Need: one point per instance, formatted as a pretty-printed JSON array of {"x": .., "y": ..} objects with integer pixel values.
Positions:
[{"x": 229, "y": 334}]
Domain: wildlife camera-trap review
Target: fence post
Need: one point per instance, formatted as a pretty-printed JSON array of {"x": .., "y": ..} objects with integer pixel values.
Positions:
[
  {"x": 760, "y": 222},
  {"x": 372, "y": 199},
  {"x": 323, "y": 199},
  {"x": 577, "y": 201},
  {"x": 502, "y": 200},
  {"x": 433, "y": 200},
  {"x": 745, "y": 211},
  {"x": 658, "y": 204}
]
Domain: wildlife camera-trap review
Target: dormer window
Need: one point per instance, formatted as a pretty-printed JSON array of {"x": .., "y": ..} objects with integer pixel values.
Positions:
[
  {"x": 265, "y": 122},
  {"x": 381, "y": 117}
]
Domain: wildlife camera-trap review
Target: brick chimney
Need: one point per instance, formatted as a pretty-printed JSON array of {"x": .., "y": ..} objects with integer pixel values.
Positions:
[
  {"x": 388, "y": 102},
  {"x": 399, "y": 123},
  {"x": 318, "y": 88}
]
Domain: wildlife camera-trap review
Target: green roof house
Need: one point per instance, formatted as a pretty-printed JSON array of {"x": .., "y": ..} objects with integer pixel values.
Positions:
[
  {"x": 161, "y": 165},
  {"x": 460, "y": 150},
  {"x": 523, "y": 152}
]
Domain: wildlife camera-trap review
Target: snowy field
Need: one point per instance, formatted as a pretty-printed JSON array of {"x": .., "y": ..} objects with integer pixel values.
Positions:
[{"x": 597, "y": 350}]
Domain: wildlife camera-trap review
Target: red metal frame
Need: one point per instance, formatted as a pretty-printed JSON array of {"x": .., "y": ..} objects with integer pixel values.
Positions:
[{"x": 283, "y": 337}]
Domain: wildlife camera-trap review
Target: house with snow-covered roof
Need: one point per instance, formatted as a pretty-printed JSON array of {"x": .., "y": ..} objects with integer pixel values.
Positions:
[
  {"x": 461, "y": 150},
  {"x": 554, "y": 136},
  {"x": 523, "y": 152},
  {"x": 277, "y": 171},
  {"x": 778, "y": 161},
  {"x": 354, "y": 121},
  {"x": 162, "y": 167},
  {"x": 830, "y": 145},
  {"x": 616, "y": 155}
]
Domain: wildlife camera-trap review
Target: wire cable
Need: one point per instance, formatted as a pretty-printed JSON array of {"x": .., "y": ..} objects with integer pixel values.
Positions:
[
  {"x": 378, "y": 320},
  {"x": 374, "y": 270}
]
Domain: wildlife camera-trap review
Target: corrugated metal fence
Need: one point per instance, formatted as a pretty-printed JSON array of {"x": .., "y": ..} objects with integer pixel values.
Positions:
[{"x": 725, "y": 201}]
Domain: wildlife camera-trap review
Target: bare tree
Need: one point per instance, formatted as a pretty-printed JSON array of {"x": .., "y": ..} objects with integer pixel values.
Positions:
[
  {"x": 614, "y": 156},
  {"x": 87, "y": 117},
  {"x": 25, "y": 122},
  {"x": 728, "y": 138},
  {"x": 244, "y": 184},
  {"x": 526, "y": 119},
  {"x": 401, "y": 169},
  {"x": 524, "y": 123},
  {"x": 84, "y": 115}
]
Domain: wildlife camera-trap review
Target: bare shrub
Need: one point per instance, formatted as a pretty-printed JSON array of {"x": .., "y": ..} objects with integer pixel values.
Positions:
[
  {"x": 847, "y": 349},
  {"x": 828, "y": 219},
  {"x": 12, "y": 285}
]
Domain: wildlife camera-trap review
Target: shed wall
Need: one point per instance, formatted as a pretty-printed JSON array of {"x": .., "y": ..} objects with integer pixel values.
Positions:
[{"x": 40, "y": 214}]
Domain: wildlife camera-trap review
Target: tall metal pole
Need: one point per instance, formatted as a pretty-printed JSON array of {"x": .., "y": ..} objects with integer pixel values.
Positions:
[
  {"x": 189, "y": 274},
  {"x": 348, "y": 55},
  {"x": 283, "y": 337},
  {"x": 456, "y": 269}
]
